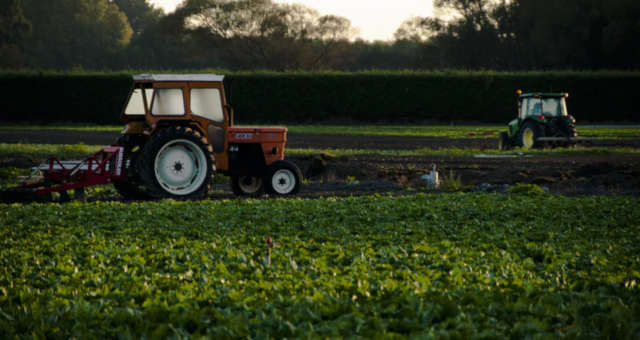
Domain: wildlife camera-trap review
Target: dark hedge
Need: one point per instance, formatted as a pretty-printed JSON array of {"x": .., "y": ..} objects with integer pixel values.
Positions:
[
  {"x": 377, "y": 96},
  {"x": 55, "y": 97}
]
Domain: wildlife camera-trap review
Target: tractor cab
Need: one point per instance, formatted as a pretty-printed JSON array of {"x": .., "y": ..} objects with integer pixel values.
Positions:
[{"x": 542, "y": 104}]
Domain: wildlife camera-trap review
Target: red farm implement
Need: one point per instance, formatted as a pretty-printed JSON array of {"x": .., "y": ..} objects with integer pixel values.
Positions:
[{"x": 103, "y": 167}]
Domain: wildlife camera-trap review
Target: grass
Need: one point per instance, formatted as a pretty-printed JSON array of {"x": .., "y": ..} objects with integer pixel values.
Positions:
[
  {"x": 456, "y": 152},
  {"x": 450, "y": 182},
  {"x": 447, "y": 131},
  {"x": 441, "y": 131},
  {"x": 609, "y": 133},
  {"x": 65, "y": 127},
  {"x": 43, "y": 151}
]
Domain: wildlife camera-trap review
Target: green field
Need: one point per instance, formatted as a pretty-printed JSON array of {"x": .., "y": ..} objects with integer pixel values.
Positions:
[
  {"x": 425, "y": 265},
  {"x": 445, "y": 131},
  {"x": 443, "y": 266}
]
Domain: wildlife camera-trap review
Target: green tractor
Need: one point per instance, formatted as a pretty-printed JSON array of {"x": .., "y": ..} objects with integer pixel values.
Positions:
[{"x": 542, "y": 121}]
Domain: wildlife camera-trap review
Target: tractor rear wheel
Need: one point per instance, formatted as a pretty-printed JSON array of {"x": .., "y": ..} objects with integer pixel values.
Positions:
[
  {"x": 503, "y": 142},
  {"x": 247, "y": 185},
  {"x": 529, "y": 135},
  {"x": 132, "y": 188},
  {"x": 283, "y": 179},
  {"x": 177, "y": 163}
]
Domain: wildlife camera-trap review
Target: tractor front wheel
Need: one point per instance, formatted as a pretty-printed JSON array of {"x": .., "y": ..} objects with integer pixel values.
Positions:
[
  {"x": 573, "y": 132},
  {"x": 177, "y": 163},
  {"x": 247, "y": 185},
  {"x": 503, "y": 142},
  {"x": 529, "y": 135},
  {"x": 283, "y": 178}
]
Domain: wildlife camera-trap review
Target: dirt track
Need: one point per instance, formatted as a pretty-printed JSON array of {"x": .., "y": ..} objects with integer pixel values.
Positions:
[{"x": 591, "y": 174}]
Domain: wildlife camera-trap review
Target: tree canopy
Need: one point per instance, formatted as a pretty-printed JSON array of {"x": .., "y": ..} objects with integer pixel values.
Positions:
[
  {"x": 75, "y": 33},
  {"x": 14, "y": 29},
  {"x": 263, "y": 34}
]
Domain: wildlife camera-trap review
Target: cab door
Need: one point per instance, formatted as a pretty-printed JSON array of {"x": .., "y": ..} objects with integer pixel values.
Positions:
[{"x": 206, "y": 100}]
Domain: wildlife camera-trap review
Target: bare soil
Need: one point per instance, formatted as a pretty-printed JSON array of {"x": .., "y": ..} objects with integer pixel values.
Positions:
[
  {"x": 356, "y": 175},
  {"x": 575, "y": 175}
]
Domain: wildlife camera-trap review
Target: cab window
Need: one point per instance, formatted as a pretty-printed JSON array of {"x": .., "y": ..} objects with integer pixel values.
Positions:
[
  {"x": 527, "y": 107},
  {"x": 168, "y": 102},
  {"x": 205, "y": 102},
  {"x": 135, "y": 106}
]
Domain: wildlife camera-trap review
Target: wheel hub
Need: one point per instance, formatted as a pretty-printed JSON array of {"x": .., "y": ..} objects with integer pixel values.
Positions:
[
  {"x": 177, "y": 167},
  {"x": 283, "y": 181},
  {"x": 528, "y": 138}
]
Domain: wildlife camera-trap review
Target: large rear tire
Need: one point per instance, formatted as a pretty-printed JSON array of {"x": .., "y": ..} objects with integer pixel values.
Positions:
[
  {"x": 529, "y": 135},
  {"x": 283, "y": 179},
  {"x": 132, "y": 188},
  {"x": 177, "y": 163}
]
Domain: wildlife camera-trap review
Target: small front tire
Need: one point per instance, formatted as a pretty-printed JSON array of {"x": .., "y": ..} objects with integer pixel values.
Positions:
[{"x": 283, "y": 179}]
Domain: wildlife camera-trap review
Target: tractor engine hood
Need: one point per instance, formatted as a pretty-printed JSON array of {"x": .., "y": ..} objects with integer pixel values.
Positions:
[{"x": 246, "y": 134}]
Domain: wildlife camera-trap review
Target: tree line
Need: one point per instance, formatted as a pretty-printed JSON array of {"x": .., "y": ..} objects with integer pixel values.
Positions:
[{"x": 261, "y": 34}]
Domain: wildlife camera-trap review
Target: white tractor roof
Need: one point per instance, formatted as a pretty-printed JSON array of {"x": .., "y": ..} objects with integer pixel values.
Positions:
[{"x": 178, "y": 77}]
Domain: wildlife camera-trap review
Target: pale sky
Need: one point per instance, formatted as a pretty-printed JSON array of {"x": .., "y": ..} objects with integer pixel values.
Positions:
[{"x": 374, "y": 19}]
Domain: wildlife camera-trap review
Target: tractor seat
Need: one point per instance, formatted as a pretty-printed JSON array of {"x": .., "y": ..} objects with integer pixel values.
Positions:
[{"x": 537, "y": 109}]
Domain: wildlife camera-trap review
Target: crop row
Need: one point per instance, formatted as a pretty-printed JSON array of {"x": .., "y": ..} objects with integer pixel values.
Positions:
[{"x": 454, "y": 265}]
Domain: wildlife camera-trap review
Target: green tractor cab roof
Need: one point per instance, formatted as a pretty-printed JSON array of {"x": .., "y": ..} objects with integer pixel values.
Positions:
[{"x": 542, "y": 95}]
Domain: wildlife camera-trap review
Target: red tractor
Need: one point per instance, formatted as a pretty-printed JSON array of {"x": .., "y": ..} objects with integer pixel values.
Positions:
[{"x": 179, "y": 133}]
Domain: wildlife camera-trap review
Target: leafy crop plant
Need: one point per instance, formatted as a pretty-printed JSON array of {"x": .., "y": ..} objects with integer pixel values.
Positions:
[{"x": 427, "y": 265}]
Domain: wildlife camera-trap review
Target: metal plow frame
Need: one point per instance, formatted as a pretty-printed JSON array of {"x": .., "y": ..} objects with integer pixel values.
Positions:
[{"x": 103, "y": 167}]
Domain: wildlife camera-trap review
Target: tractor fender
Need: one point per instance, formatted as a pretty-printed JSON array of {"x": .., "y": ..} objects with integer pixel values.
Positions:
[
  {"x": 155, "y": 128},
  {"x": 535, "y": 120}
]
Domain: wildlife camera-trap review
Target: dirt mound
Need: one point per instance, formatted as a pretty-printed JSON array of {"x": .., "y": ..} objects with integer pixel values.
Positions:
[{"x": 595, "y": 169}]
